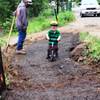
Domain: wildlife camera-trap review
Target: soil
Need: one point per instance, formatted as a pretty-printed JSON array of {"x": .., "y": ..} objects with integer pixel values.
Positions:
[{"x": 33, "y": 77}]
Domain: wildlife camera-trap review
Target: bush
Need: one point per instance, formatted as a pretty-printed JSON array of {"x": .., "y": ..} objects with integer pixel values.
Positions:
[
  {"x": 46, "y": 13},
  {"x": 7, "y": 25},
  {"x": 93, "y": 45},
  {"x": 65, "y": 17}
]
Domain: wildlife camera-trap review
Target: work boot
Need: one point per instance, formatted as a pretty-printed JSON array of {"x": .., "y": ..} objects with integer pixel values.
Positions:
[{"x": 20, "y": 52}]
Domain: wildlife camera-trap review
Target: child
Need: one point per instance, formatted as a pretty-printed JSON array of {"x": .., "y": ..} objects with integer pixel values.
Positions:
[{"x": 54, "y": 36}]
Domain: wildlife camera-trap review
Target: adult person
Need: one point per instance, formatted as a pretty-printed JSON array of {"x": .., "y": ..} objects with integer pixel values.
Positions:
[{"x": 21, "y": 24}]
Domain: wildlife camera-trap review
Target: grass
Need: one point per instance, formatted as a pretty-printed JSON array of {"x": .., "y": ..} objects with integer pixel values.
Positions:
[
  {"x": 2, "y": 41},
  {"x": 38, "y": 24},
  {"x": 66, "y": 17},
  {"x": 43, "y": 22},
  {"x": 93, "y": 45}
]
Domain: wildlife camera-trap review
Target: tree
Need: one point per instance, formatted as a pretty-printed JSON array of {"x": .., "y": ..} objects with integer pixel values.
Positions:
[
  {"x": 99, "y": 1},
  {"x": 58, "y": 2},
  {"x": 38, "y": 6},
  {"x": 7, "y": 8}
]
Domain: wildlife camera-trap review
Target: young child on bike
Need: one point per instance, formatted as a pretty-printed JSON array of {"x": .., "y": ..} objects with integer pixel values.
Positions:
[{"x": 54, "y": 37}]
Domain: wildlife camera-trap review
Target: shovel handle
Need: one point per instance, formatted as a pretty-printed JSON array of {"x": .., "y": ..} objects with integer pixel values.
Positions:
[{"x": 13, "y": 20}]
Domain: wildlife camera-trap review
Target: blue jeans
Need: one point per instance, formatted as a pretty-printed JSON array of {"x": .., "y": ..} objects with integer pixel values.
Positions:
[{"x": 21, "y": 38}]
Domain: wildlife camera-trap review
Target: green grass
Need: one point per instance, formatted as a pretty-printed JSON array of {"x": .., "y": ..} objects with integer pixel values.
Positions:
[
  {"x": 93, "y": 45},
  {"x": 43, "y": 21},
  {"x": 2, "y": 41},
  {"x": 65, "y": 18},
  {"x": 38, "y": 24}
]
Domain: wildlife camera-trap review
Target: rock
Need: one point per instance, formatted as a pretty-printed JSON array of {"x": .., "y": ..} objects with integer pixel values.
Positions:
[
  {"x": 61, "y": 67},
  {"x": 80, "y": 59},
  {"x": 13, "y": 41},
  {"x": 77, "y": 52}
]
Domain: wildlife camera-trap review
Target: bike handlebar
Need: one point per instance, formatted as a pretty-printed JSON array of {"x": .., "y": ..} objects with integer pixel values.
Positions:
[{"x": 53, "y": 40}]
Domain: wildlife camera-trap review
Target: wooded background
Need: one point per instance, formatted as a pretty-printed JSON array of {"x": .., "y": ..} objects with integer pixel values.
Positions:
[{"x": 7, "y": 7}]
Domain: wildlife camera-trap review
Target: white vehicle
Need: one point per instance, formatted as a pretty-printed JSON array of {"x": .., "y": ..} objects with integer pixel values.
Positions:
[{"x": 89, "y": 7}]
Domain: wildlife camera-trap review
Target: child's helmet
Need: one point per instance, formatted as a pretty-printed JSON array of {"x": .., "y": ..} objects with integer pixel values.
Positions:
[{"x": 54, "y": 23}]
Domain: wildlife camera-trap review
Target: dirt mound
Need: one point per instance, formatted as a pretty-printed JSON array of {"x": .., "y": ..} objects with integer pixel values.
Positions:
[{"x": 77, "y": 52}]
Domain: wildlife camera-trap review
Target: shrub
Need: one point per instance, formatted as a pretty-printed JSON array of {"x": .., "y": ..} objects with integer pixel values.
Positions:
[
  {"x": 93, "y": 45},
  {"x": 46, "y": 13},
  {"x": 65, "y": 17}
]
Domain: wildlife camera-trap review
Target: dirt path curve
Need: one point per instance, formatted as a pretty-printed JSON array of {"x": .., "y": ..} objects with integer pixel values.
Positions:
[{"x": 38, "y": 79}]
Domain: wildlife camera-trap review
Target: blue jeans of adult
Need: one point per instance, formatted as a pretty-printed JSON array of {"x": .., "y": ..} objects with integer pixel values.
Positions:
[{"x": 21, "y": 38}]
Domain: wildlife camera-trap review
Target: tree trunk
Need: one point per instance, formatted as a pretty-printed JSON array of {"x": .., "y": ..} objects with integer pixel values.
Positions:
[{"x": 57, "y": 6}]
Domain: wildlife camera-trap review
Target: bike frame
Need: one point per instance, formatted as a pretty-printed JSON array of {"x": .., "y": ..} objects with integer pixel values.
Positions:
[{"x": 52, "y": 53}]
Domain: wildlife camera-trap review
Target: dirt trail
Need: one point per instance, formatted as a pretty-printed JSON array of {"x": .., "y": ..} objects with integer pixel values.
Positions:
[{"x": 37, "y": 79}]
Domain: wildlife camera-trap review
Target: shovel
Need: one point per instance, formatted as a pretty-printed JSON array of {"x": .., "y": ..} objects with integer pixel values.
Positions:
[{"x": 12, "y": 25}]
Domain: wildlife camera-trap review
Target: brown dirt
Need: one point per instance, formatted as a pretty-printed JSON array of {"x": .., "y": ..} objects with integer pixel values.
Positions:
[{"x": 35, "y": 78}]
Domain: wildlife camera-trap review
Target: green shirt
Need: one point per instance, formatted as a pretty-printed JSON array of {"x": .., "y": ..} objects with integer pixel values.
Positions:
[{"x": 53, "y": 36}]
